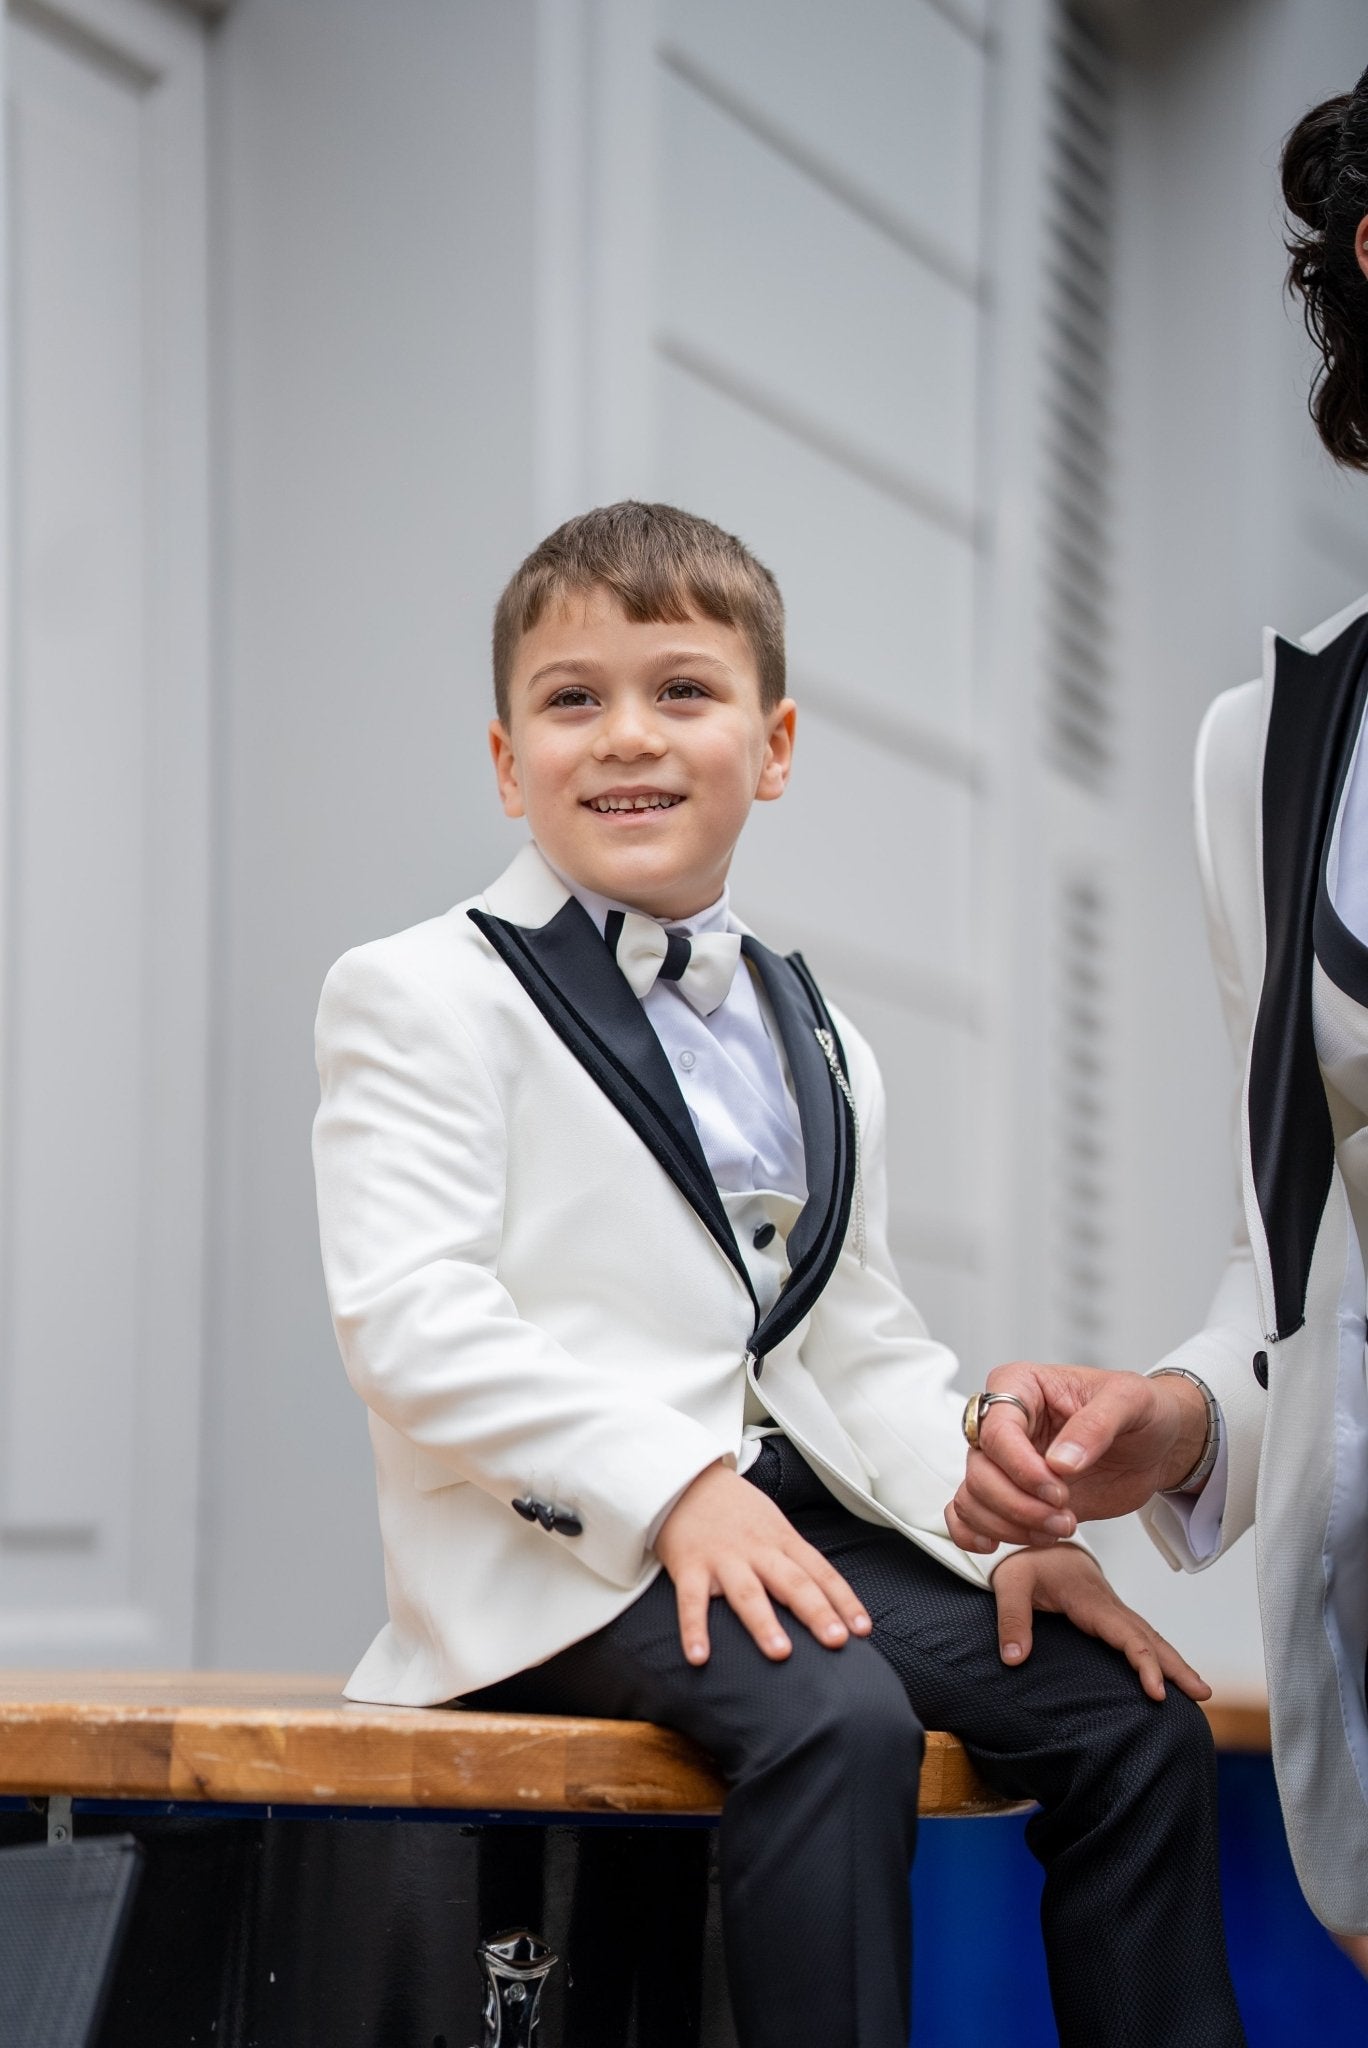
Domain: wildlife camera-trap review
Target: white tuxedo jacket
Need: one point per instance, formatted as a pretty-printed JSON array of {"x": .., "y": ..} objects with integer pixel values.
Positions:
[
  {"x": 539, "y": 1296},
  {"x": 1284, "y": 1350}
]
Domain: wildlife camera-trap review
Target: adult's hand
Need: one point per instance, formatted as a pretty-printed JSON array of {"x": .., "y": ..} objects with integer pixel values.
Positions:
[
  {"x": 1092, "y": 1445},
  {"x": 1068, "y": 1581},
  {"x": 724, "y": 1536}
]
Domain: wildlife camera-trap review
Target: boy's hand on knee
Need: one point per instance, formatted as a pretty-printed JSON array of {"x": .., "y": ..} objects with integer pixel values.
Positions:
[
  {"x": 1068, "y": 1581},
  {"x": 723, "y": 1536}
]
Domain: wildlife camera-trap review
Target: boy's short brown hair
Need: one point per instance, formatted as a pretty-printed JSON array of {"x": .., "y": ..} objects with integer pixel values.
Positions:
[{"x": 659, "y": 563}]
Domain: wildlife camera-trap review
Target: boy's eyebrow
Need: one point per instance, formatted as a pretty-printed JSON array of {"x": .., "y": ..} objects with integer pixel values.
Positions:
[
  {"x": 671, "y": 657},
  {"x": 692, "y": 657},
  {"x": 569, "y": 666}
]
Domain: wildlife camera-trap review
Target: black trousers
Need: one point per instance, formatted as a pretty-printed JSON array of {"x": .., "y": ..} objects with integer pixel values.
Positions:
[{"x": 821, "y": 1756}]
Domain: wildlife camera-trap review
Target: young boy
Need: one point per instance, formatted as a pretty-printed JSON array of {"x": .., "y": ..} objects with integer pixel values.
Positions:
[{"x": 657, "y": 1434}]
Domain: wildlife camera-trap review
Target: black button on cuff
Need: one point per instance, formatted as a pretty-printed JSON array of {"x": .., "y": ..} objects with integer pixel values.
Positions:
[
  {"x": 566, "y": 1522},
  {"x": 1260, "y": 1362},
  {"x": 763, "y": 1236},
  {"x": 526, "y": 1508}
]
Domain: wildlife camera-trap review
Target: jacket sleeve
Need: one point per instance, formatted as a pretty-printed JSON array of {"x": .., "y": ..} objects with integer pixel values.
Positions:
[
  {"x": 411, "y": 1164},
  {"x": 1222, "y": 1354}
]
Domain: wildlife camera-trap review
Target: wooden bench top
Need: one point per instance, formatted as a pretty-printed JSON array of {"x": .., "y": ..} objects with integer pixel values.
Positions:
[{"x": 234, "y": 1738}]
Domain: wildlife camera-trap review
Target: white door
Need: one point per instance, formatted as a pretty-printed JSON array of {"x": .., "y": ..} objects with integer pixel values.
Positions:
[{"x": 104, "y": 796}]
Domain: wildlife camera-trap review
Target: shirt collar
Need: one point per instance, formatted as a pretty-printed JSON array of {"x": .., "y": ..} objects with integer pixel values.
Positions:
[{"x": 716, "y": 918}]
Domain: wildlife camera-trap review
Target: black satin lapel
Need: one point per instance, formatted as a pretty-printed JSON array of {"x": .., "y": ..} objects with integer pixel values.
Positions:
[
  {"x": 580, "y": 966},
  {"x": 581, "y": 991},
  {"x": 819, "y": 1105},
  {"x": 1341, "y": 952},
  {"x": 1311, "y": 729}
]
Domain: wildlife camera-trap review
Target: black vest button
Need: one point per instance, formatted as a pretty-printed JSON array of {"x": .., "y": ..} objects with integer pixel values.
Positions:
[
  {"x": 1261, "y": 1369},
  {"x": 763, "y": 1236}
]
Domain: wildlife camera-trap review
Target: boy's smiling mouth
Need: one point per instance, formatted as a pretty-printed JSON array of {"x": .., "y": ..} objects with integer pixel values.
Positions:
[{"x": 620, "y": 801}]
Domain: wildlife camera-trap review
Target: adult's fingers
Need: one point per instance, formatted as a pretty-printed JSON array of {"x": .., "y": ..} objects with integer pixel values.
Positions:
[
  {"x": 1110, "y": 1412},
  {"x": 992, "y": 1530},
  {"x": 749, "y": 1602},
  {"x": 962, "y": 1533},
  {"x": 693, "y": 1590},
  {"x": 990, "y": 1491},
  {"x": 1013, "y": 1618},
  {"x": 1005, "y": 1435}
]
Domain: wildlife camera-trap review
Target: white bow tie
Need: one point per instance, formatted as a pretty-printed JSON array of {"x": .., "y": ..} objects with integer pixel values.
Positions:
[{"x": 702, "y": 964}]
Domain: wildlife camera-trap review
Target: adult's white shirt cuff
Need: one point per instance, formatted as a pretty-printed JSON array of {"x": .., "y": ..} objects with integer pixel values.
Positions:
[{"x": 1199, "y": 1515}]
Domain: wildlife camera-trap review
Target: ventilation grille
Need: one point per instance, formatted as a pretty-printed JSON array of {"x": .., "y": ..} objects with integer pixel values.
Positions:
[
  {"x": 1080, "y": 1205},
  {"x": 1078, "y": 365}
]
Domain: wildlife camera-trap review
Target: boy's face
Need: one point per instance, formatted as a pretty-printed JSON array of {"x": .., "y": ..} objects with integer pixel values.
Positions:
[{"x": 635, "y": 751}]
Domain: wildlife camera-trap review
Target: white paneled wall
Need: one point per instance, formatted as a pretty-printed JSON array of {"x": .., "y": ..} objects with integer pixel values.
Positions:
[
  {"x": 807, "y": 331},
  {"x": 880, "y": 595},
  {"x": 103, "y": 861},
  {"x": 474, "y": 268}
]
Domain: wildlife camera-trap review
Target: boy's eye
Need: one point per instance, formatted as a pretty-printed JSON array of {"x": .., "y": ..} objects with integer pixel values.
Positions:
[
  {"x": 681, "y": 688},
  {"x": 573, "y": 697}
]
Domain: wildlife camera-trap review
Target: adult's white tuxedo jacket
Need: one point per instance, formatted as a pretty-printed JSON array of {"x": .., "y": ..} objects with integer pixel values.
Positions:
[
  {"x": 1284, "y": 1350},
  {"x": 541, "y": 1298}
]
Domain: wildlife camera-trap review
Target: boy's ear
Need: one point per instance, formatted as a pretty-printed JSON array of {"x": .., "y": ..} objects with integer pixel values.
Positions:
[
  {"x": 778, "y": 761},
  {"x": 505, "y": 769}
]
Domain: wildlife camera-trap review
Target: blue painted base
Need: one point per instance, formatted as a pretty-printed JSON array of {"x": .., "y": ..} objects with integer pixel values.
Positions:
[{"x": 976, "y": 1896}]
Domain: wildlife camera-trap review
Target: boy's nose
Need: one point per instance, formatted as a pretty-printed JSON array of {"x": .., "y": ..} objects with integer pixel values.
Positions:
[{"x": 627, "y": 737}]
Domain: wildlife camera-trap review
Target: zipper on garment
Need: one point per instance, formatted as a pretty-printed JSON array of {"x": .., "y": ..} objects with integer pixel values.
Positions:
[{"x": 828, "y": 1045}]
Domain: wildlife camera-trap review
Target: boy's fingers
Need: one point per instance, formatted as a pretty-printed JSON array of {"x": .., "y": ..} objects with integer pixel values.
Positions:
[
  {"x": 1101, "y": 1614},
  {"x": 1013, "y": 1621},
  {"x": 801, "y": 1594},
  {"x": 842, "y": 1596},
  {"x": 750, "y": 1603},
  {"x": 1176, "y": 1667},
  {"x": 693, "y": 1590}
]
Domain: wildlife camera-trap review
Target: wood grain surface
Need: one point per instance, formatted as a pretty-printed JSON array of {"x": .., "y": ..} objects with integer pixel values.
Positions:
[{"x": 294, "y": 1741}]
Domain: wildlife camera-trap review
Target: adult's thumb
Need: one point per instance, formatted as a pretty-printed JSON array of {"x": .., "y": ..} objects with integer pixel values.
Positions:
[{"x": 1091, "y": 1431}]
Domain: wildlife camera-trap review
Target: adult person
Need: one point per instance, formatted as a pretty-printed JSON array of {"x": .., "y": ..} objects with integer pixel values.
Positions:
[{"x": 1263, "y": 1416}]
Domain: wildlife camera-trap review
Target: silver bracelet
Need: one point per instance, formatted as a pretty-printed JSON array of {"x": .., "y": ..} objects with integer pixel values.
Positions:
[{"x": 1201, "y": 1471}]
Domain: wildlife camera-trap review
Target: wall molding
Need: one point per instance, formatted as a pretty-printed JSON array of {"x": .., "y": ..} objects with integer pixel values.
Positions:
[
  {"x": 814, "y": 164},
  {"x": 894, "y": 482}
]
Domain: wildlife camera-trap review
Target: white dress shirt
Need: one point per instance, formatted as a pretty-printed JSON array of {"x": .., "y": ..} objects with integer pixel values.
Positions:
[
  {"x": 727, "y": 1065},
  {"x": 734, "y": 1081}
]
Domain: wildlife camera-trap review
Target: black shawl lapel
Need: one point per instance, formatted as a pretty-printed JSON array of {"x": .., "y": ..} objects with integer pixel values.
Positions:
[
  {"x": 575, "y": 982},
  {"x": 828, "y": 1127},
  {"x": 1313, "y": 720}
]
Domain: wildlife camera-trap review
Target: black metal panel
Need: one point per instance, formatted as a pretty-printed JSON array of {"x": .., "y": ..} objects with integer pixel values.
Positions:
[{"x": 269, "y": 1933}]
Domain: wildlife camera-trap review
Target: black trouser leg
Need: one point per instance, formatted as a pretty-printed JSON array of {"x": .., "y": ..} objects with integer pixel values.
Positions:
[
  {"x": 821, "y": 1755},
  {"x": 1126, "y": 1831}
]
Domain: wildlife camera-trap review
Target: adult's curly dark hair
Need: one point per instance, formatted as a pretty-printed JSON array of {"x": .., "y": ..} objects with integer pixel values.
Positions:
[{"x": 1325, "y": 185}]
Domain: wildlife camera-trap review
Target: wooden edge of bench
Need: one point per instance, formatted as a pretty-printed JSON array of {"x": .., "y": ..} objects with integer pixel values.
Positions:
[{"x": 209, "y": 1738}]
